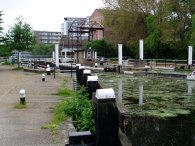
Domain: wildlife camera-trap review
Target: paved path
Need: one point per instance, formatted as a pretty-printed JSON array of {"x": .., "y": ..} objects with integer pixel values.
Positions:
[{"x": 21, "y": 127}]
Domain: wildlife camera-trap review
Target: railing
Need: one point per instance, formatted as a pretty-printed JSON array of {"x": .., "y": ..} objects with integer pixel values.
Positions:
[
  {"x": 3, "y": 59},
  {"x": 161, "y": 62}
]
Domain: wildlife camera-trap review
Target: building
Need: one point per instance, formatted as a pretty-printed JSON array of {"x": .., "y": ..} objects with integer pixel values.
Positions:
[
  {"x": 48, "y": 37},
  {"x": 73, "y": 38},
  {"x": 76, "y": 33},
  {"x": 97, "y": 18},
  {"x": 73, "y": 23}
]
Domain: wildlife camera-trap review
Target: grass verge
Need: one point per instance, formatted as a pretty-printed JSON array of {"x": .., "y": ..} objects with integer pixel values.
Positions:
[
  {"x": 18, "y": 68},
  {"x": 75, "y": 105},
  {"x": 59, "y": 115},
  {"x": 6, "y": 63},
  {"x": 21, "y": 106}
]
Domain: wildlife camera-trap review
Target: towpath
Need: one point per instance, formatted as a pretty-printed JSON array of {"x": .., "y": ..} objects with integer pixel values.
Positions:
[{"x": 22, "y": 127}]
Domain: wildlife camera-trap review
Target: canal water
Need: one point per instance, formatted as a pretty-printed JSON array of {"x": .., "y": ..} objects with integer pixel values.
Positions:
[{"x": 161, "y": 111}]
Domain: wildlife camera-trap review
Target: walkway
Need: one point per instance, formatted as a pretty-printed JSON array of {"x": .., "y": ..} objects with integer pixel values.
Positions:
[{"x": 22, "y": 127}]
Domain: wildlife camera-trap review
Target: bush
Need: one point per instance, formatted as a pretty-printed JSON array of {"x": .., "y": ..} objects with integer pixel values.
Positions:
[
  {"x": 80, "y": 109},
  {"x": 6, "y": 63}
]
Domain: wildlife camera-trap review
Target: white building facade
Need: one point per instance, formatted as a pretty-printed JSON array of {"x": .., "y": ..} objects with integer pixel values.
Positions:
[{"x": 48, "y": 37}]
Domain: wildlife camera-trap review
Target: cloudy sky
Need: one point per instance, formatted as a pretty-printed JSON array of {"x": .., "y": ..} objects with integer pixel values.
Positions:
[{"x": 46, "y": 14}]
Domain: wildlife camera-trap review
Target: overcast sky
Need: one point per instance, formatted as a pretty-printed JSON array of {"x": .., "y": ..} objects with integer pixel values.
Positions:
[{"x": 46, "y": 14}]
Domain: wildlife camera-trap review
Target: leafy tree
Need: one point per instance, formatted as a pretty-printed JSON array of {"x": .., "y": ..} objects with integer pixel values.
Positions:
[
  {"x": 102, "y": 48},
  {"x": 43, "y": 49},
  {"x": 4, "y": 51},
  {"x": 152, "y": 41},
  {"x": 192, "y": 40},
  {"x": 20, "y": 37},
  {"x": 127, "y": 19},
  {"x": 1, "y": 28},
  {"x": 165, "y": 25}
]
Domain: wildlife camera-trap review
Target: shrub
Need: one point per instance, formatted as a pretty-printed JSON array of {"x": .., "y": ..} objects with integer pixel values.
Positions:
[{"x": 80, "y": 109}]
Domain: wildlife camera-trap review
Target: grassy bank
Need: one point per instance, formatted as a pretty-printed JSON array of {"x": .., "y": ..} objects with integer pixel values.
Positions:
[{"x": 74, "y": 104}]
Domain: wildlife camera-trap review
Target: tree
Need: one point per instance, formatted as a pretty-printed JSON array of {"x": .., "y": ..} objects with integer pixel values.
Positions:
[
  {"x": 128, "y": 20},
  {"x": 43, "y": 49},
  {"x": 1, "y": 28},
  {"x": 20, "y": 37},
  {"x": 102, "y": 48},
  {"x": 4, "y": 51},
  {"x": 192, "y": 39},
  {"x": 165, "y": 25}
]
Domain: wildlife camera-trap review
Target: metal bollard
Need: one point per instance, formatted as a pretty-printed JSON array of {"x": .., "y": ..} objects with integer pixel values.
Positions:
[
  {"x": 43, "y": 77},
  {"x": 22, "y": 96}
]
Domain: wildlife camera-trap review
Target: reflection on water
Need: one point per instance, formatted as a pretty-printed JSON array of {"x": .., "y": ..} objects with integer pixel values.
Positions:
[
  {"x": 191, "y": 85},
  {"x": 161, "y": 112},
  {"x": 141, "y": 94},
  {"x": 120, "y": 91}
]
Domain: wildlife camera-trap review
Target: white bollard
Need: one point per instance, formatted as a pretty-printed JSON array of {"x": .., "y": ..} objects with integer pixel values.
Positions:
[
  {"x": 22, "y": 96},
  {"x": 96, "y": 65},
  {"x": 43, "y": 77},
  {"x": 48, "y": 70}
]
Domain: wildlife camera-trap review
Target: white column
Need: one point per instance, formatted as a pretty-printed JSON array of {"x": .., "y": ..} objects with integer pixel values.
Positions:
[
  {"x": 19, "y": 56},
  {"x": 120, "y": 54},
  {"x": 141, "y": 49},
  {"x": 190, "y": 55},
  {"x": 84, "y": 54},
  {"x": 57, "y": 55},
  {"x": 141, "y": 94},
  {"x": 65, "y": 55},
  {"x": 53, "y": 56},
  {"x": 95, "y": 55}
]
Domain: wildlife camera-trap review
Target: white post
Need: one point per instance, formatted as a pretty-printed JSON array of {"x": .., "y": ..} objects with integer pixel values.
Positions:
[
  {"x": 189, "y": 55},
  {"x": 57, "y": 54},
  {"x": 84, "y": 54},
  {"x": 19, "y": 56},
  {"x": 141, "y": 49},
  {"x": 120, "y": 54},
  {"x": 53, "y": 56},
  {"x": 141, "y": 94},
  {"x": 95, "y": 55},
  {"x": 65, "y": 55}
]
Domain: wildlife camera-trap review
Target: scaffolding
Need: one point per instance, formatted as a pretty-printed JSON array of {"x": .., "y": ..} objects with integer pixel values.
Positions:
[{"x": 80, "y": 32}]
